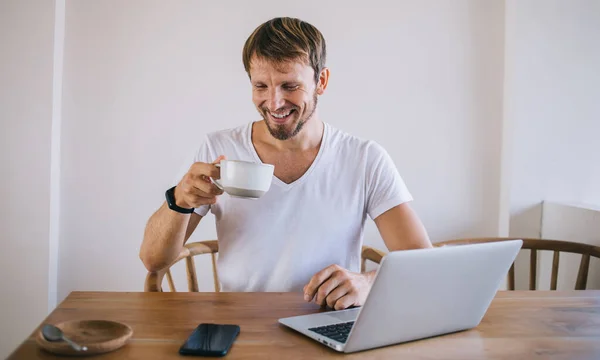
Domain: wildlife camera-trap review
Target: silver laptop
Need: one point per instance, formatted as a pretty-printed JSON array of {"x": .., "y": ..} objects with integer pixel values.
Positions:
[{"x": 416, "y": 294}]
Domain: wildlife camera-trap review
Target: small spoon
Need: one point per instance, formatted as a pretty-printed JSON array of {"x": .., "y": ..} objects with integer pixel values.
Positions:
[{"x": 52, "y": 333}]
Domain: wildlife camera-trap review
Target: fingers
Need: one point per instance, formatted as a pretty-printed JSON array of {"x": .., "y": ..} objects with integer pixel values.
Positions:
[
  {"x": 187, "y": 195},
  {"x": 342, "y": 289},
  {"x": 346, "y": 301},
  {"x": 202, "y": 195},
  {"x": 203, "y": 187},
  {"x": 319, "y": 278},
  {"x": 201, "y": 170},
  {"x": 199, "y": 186},
  {"x": 326, "y": 289},
  {"x": 196, "y": 187},
  {"x": 338, "y": 288}
]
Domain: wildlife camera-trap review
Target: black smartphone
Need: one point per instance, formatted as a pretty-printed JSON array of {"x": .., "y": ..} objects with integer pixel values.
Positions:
[{"x": 210, "y": 340}]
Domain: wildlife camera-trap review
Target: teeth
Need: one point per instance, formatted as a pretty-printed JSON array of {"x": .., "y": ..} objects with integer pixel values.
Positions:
[{"x": 281, "y": 116}]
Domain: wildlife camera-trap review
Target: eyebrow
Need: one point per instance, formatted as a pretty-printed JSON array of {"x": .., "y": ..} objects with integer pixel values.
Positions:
[{"x": 283, "y": 83}]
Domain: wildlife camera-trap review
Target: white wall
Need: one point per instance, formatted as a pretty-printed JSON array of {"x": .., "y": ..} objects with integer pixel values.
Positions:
[
  {"x": 552, "y": 112},
  {"x": 143, "y": 82},
  {"x": 555, "y": 97},
  {"x": 26, "y": 73}
]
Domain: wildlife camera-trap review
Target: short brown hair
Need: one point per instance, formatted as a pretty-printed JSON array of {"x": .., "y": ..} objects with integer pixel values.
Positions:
[{"x": 283, "y": 39}]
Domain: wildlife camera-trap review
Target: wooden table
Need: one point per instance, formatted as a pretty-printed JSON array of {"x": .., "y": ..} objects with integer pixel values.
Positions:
[{"x": 518, "y": 325}]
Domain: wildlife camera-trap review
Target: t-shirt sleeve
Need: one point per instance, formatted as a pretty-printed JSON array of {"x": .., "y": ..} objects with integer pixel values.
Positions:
[
  {"x": 202, "y": 154},
  {"x": 385, "y": 187}
]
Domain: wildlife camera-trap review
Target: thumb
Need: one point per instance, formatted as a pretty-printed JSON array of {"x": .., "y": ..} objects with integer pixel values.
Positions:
[{"x": 219, "y": 159}]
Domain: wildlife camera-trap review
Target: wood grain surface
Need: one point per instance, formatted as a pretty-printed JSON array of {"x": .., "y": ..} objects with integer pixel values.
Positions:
[{"x": 518, "y": 325}]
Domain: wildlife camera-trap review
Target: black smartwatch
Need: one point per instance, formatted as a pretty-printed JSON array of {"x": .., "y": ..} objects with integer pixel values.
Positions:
[{"x": 170, "y": 195}]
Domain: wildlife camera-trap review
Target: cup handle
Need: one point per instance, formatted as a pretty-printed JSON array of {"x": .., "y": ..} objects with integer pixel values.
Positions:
[{"x": 215, "y": 181}]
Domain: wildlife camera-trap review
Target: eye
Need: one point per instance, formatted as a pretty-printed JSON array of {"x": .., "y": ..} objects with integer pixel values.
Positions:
[
  {"x": 260, "y": 86},
  {"x": 291, "y": 87}
]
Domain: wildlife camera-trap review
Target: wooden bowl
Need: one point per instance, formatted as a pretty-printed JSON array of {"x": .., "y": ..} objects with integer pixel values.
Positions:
[{"x": 100, "y": 336}]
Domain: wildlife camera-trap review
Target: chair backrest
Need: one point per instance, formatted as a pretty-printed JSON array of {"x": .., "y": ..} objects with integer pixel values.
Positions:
[
  {"x": 535, "y": 245},
  {"x": 154, "y": 280},
  {"x": 371, "y": 254}
]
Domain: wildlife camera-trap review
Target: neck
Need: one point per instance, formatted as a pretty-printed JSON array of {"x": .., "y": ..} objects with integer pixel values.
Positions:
[{"x": 308, "y": 138}]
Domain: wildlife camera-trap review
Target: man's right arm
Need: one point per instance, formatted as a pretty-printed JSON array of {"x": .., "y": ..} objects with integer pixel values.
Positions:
[
  {"x": 166, "y": 233},
  {"x": 167, "y": 230}
]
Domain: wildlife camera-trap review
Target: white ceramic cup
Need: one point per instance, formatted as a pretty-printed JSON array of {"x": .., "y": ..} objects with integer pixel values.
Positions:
[{"x": 244, "y": 179}]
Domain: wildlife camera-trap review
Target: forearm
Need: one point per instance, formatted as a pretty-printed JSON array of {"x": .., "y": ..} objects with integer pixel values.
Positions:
[{"x": 164, "y": 238}]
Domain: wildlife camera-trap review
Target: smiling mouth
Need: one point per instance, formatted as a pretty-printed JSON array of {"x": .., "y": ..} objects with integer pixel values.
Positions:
[{"x": 281, "y": 117}]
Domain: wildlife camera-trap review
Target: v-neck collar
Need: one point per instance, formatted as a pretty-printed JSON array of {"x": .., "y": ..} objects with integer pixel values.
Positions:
[{"x": 306, "y": 174}]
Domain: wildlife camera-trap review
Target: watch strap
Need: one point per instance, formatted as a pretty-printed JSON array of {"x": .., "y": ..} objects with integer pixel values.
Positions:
[{"x": 170, "y": 196}]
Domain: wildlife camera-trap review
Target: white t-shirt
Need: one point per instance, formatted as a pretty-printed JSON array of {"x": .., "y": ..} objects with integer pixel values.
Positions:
[{"x": 279, "y": 241}]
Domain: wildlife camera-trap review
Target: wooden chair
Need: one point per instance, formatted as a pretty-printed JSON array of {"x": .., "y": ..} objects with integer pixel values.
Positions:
[
  {"x": 534, "y": 245},
  {"x": 154, "y": 280},
  {"x": 370, "y": 254}
]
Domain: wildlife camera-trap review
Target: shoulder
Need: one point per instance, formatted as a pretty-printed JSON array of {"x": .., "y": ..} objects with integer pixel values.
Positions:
[
  {"x": 228, "y": 140},
  {"x": 354, "y": 145},
  {"x": 234, "y": 134},
  {"x": 223, "y": 141}
]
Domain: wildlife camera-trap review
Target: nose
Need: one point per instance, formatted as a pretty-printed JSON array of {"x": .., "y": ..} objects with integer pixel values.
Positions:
[{"x": 276, "y": 99}]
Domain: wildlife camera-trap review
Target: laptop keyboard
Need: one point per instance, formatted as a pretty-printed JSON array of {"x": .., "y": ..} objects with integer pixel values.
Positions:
[{"x": 338, "y": 332}]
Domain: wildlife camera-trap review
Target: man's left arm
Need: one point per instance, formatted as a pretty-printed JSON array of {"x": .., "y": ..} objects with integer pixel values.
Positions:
[
  {"x": 401, "y": 229},
  {"x": 339, "y": 288}
]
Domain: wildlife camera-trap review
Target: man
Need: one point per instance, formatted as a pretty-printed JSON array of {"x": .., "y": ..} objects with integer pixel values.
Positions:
[{"x": 305, "y": 233}]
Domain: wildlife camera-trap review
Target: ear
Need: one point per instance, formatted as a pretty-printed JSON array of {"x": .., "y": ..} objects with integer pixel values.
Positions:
[{"x": 323, "y": 80}]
